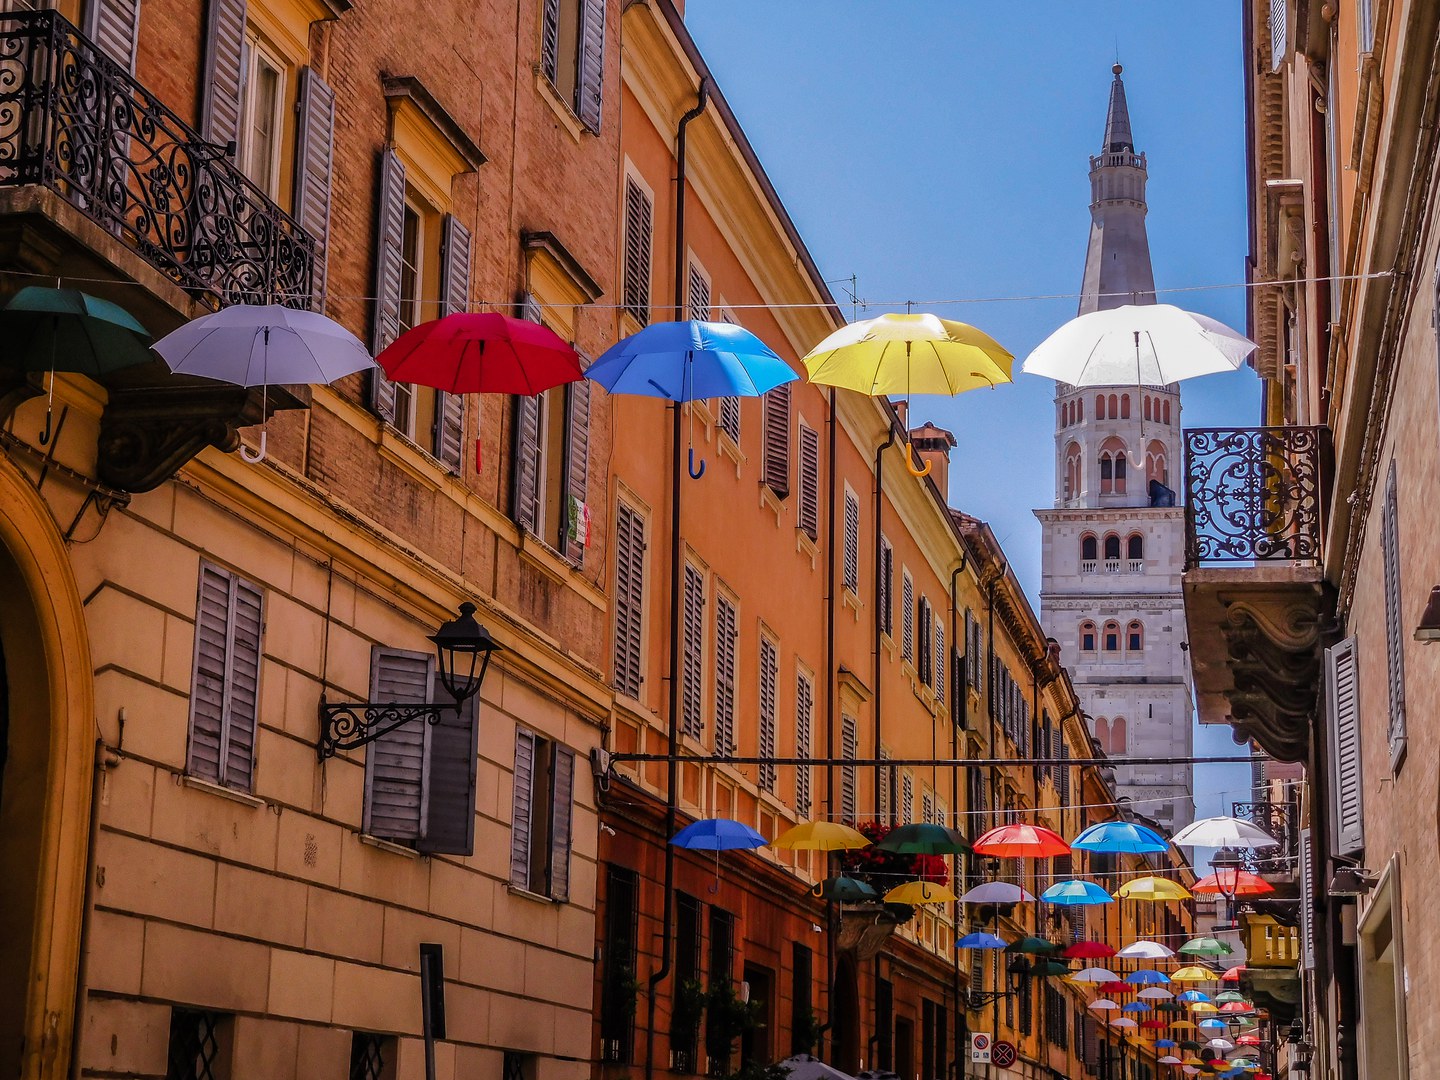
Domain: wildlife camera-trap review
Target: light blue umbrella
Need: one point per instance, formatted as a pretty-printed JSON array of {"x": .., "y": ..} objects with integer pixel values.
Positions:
[
  {"x": 1211, "y": 1024},
  {"x": 981, "y": 940},
  {"x": 1075, "y": 893},
  {"x": 1136, "y": 1006},
  {"x": 717, "y": 834},
  {"x": 1119, "y": 837},
  {"x": 1193, "y": 995},
  {"x": 1147, "y": 977}
]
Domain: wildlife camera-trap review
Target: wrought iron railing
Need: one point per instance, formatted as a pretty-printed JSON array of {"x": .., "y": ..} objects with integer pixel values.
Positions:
[
  {"x": 1253, "y": 494},
  {"x": 78, "y": 123},
  {"x": 1280, "y": 820}
]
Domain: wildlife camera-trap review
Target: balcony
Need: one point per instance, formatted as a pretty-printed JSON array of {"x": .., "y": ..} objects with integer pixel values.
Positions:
[
  {"x": 1280, "y": 820},
  {"x": 1255, "y": 593}
]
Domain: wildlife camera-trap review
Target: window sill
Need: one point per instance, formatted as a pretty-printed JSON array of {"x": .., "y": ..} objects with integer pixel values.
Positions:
[
  {"x": 526, "y": 894},
  {"x": 731, "y": 449},
  {"x": 242, "y": 797},
  {"x": 562, "y": 109},
  {"x": 889, "y": 642},
  {"x": 545, "y": 558},
  {"x": 400, "y": 451},
  {"x": 770, "y": 501},
  {"x": 389, "y": 845},
  {"x": 807, "y": 546},
  {"x": 849, "y": 598}
]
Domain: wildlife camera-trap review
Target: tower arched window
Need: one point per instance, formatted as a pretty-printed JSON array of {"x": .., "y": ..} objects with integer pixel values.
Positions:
[
  {"x": 1112, "y": 407},
  {"x": 1147, "y": 406},
  {"x": 1107, "y": 473},
  {"x": 1135, "y": 547},
  {"x": 1099, "y": 406},
  {"x": 1156, "y": 467},
  {"x": 1135, "y": 636},
  {"x": 1166, "y": 409},
  {"x": 1117, "y": 736},
  {"x": 1110, "y": 638},
  {"x": 1087, "y": 636},
  {"x": 1079, "y": 410},
  {"x": 1112, "y": 548},
  {"x": 1124, "y": 406},
  {"x": 1120, "y": 473},
  {"x": 1088, "y": 548},
  {"x": 1112, "y": 466},
  {"x": 1072, "y": 471},
  {"x": 1102, "y": 733}
]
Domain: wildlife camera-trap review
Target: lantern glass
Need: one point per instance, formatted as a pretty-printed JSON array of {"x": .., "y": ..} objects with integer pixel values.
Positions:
[{"x": 462, "y": 654}]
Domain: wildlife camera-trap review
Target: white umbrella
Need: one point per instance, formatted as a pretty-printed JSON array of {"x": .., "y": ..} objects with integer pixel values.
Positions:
[
  {"x": 264, "y": 345},
  {"x": 1104, "y": 1005},
  {"x": 1095, "y": 975},
  {"x": 1155, "y": 993},
  {"x": 1224, "y": 832},
  {"x": 996, "y": 892},
  {"x": 1169, "y": 1059},
  {"x": 1145, "y": 950},
  {"x": 1138, "y": 345},
  {"x": 1221, "y": 1044},
  {"x": 1124, "y": 1022}
]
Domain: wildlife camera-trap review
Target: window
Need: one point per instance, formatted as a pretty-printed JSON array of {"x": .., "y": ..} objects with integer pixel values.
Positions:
[
  {"x": 1135, "y": 547},
  {"x": 726, "y": 634},
  {"x": 804, "y": 717},
  {"x": 1117, "y": 736},
  {"x": 1087, "y": 636},
  {"x": 907, "y": 617},
  {"x": 639, "y": 213},
  {"x": 1112, "y": 548},
  {"x": 809, "y": 519},
  {"x": 802, "y": 1011},
  {"x": 1079, "y": 410},
  {"x": 885, "y": 1023},
  {"x": 617, "y": 1005},
  {"x": 262, "y": 115},
  {"x": 1135, "y": 636},
  {"x": 1089, "y": 549},
  {"x": 697, "y": 293},
  {"x": 1124, "y": 406},
  {"x": 552, "y": 440},
  {"x": 937, "y": 669},
  {"x": 1394, "y": 620},
  {"x": 688, "y": 915},
  {"x": 769, "y": 671},
  {"x": 692, "y": 720},
  {"x": 1112, "y": 637},
  {"x": 923, "y": 654},
  {"x": 1166, "y": 412},
  {"x": 887, "y": 587},
  {"x": 904, "y": 814},
  {"x": 1072, "y": 471},
  {"x": 852, "y": 542},
  {"x": 629, "y": 599},
  {"x": 1099, "y": 406},
  {"x": 849, "y": 749},
  {"x": 199, "y": 1045},
  {"x": 1112, "y": 467},
  {"x": 572, "y": 55},
  {"x": 225, "y": 681},
  {"x": 540, "y": 820},
  {"x": 372, "y": 1056},
  {"x": 1156, "y": 468},
  {"x": 1112, "y": 407},
  {"x": 1342, "y": 708},
  {"x": 776, "y": 466},
  {"x": 722, "y": 973},
  {"x": 1148, "y": 399}
]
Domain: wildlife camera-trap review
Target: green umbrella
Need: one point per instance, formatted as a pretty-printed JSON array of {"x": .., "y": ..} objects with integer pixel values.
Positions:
[
  {"x": 1228, "y": 996},
  {"x": 1205, "y": 946},
  {"x": 1031, "y": 945},
  {"x": 924, "y": 839},
  {"x": 845, "y": 889},
  {"x": 1042, "y": 968}
]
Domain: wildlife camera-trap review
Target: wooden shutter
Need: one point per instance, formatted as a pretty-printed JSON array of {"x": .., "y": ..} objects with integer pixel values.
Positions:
[
  {"x": 730, "y": 418},
  {"x": 922, "y": 641},
  {"x": 449, "y": 435},
  {"x": 389, "y": 236},
  {"x": 629, "y": 598},
  {"x": 225, "y": 683},
  {"x": 562, "y": 800},
  {"x": 590, "y": 79},
  {"x": 726, "y": 633},
  {"x": 577, "y": 462},
  {"x": 849, "y": 750},
  {"x": 638, "y": 215},
  {"x": 1064, "y": 770},
  {"x": 1343, "y": 709},
  {"x": 927, "y": 807},
  {"x": 852, "y": 542},
  {"x": 884, "y": 795},
  {"x": 907, "y": 799},
  {"x": 907, "y": 617},
  {"x": 804, "y": 708},
  {"x": 522, "y": 815},
  {"x": 1307, "y": 902},
  {"x": 526, "y": 488},
  {"x": 776, "y": 470},
  {"x": 692, "y": 721},
  {"x": 395, "y": 762},
  {"x": 550, "y": 40},
  {"x": 448, "y": 826},
  {"x": 769, "y": 671},
  {"x": 114, "y": 25},
  {"x": 1394, "y": 619},
  {"x": 886, "y": 599},
  {"x": 698, "y": 294},
  {"x": 314, "y": 166},
  {"x": 939, "y": 668},
  {"x": 223, "y": 81},
  {"x": 810, "y": 482}
]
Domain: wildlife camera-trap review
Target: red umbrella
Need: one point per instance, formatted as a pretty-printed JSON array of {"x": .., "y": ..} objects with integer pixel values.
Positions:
[
  {"x": 1154, "y": 1025},
  {"x": 1229, "y": 882},
  {"x": 481, "y": 353},
  {"x": 1233, "y": 974},
  {"x": 1088, "y": 950},
  {"x": 1112, "y": 989},
  {"x": 1237, "y": 1007},
  {"x": 1021, "y": 841}
]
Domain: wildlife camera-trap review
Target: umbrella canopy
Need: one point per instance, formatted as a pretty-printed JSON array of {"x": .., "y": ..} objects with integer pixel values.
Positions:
[
  {"x": 981, "y": 940},
  {"x": 1203, "y": 1008},
  {"x": 473, "y": 352},
  {"x": 1209, "y": 1024},
  {"x": 845, "y": 889},
  {"x": 1248, "y": 1040},
  {"x": 1183, "y": 1025},
  {"x": 1156, "y": 993},
  {"x": 264, "y": 345},
  {"x": 1168, "y": 1059},
  {"x": 908, "y": 354},
  {"x": 1124, "y": 1022},
  {"x": 1043, "y": 968},
  {"x": 1021, "y": 841},
  {"x": 1136, "y": 1007},
  {"x": 1152, "y": 888},
  {"x": 1095, "y": 975},
  {"x": 1119, "y": 837},
  {"x": 1233, "y": 974},
  {"x": 919, "y": 892},
  {"x": 1138, "y": 345},
  {"x": 1224, "y": 832},
  {"x": 1154, "y": 1025},
  {"x": 1227, "y": 996},
  {"x": 1189, "y": 995},
  {"x": 1076, "y": 893},
  {"x": 1105, "y": 1005},
  {"x": 1145, "y": 950},
  {"x": 717, "y": 834},
  {"x": 1032, "y": 945},
  {"x": 1088, "y": 950},
  {"x": 1237, "y": 1007},
  {"x": 1167, "y": 1006},
  {"x": 821, "y": 836},
  {"x": 995, "y": 892},
  {"x": 48, "y": 329},
  {"x": 1220, "y": 1044},
  {"x": 1147, "y": 977},
  {"x": 923, "y": 838},
  {"x": 683, "y": 361},
  {"x": 1116, "y": 988},
  {"x": 1205, "y": 946},
  {"x": 1232, "y": 882},
  {"x": 1164, "y": 1043}
]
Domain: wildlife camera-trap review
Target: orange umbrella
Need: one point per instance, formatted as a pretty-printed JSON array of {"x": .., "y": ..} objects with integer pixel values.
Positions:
[
  {"x": 1233, "y": 882},
  {"x": 1021, "y": 841}
]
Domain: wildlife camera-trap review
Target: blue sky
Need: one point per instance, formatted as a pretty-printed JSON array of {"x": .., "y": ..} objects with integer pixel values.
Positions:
[{"x": 939, "y": 150}]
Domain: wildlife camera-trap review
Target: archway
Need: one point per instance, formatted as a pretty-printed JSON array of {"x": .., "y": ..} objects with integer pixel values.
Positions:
[
  {"x": 846, "y": 1016},
  {"x": 48, "y": 721}
]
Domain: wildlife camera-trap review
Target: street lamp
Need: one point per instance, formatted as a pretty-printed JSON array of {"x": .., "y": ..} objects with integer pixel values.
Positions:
[
  {"x": 1017, "y": 969},
  {"x": 462, "y": 657},
  {"x": 1227, "y": 865}
]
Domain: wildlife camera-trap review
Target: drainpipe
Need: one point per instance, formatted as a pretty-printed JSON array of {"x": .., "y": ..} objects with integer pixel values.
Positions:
[
  {"x": 994, "y": 753},
  {"x": 957, "y": 703},
  {"x": 105, "y": 758},
  {"x": 832, "y": 916},
  {"x": 877, "y": 671},
  {"x": 672, "y": 767}
]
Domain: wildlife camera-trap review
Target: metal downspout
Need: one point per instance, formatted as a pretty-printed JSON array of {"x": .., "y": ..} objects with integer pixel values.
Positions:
[
  {"x": 957, "y": 702},
  {"x": 880, "y": 777},
  {"x": 832, "y": 916}
]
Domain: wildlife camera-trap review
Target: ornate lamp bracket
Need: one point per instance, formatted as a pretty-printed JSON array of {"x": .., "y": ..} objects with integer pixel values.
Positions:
[{"x": 351, "y": 724}]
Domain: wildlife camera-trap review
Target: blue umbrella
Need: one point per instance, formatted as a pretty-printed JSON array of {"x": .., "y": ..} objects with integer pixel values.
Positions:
[
  {"x": 1161, "y": 1044},
  {"x": 1146, "y": 977},
  {"x": 1136, "y": 1006},
  {"x": 1193, "y": 995},
  {"x": 1075, "y": 893},
  {"x": 1211, "y": 1024},
  {"x": 981, "y": 940},
  {"x": 1119, "y": 837},
  {"x": 717, "y": 834}
]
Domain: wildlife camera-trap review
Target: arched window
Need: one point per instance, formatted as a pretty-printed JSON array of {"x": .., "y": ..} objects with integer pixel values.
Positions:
[
  {"x": 1155, "y": 463},
  {"x": 1112, "y": 548},
  {"x": 1147, "y": 406},
  {"x": 1117, "y": 736},
  {"x": 1135, "y": 547},
  {"x": 1102, "y": 733},
  {"x": 1112, "y": 466},
  {"x": 1124, "y": 406},
  {"x": 1107, "y": 474},
  {"x": 1088, "y": 548},
  {"x": 1099, "y": 406},
  {"x": 1079, "y": 410},
  {"x": 1111, "y": 636},
  {"x": 1135, "y": 636},
  {"x": 1167, "y": 412},
  {"x": 1112, "y": 407},
  {"x": 1087, "y": 636},
  {"x": 1072, "y": 471}
]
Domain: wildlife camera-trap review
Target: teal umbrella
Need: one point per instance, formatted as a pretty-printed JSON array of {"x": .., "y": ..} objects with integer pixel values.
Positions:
[
  {"x": 1076, "y": 893},
  {"x": 845, "y": 890},
  {"x": 1032, "y": 945},
  {"x": 924, "y": 839}
]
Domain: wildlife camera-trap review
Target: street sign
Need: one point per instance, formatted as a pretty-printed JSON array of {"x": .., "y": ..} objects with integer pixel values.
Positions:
[
  {"x": 980, "y": 1047},
  {"x": 1002, "y": 1054}
]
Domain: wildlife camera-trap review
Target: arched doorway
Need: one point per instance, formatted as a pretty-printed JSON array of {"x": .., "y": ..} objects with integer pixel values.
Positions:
[
  {"x": 845, "y": 1007},
  {"x": 47, "y": 725}
]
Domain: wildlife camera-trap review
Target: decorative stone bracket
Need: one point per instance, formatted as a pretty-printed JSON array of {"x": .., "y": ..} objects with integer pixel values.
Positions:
[{"x": 865, "y": 928}]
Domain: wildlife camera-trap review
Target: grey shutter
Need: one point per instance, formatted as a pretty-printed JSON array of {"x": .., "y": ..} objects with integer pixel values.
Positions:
[
  {"x": 562, "y": 799},
  {"x": 1343, "y": 708},
  {"x": 907, "y": 618},
  {"x": 225, "y": 683},
  {"x": 852, "y": 542},
  {"x": 810, "y": 482},
  {"x": 1307, "y": 902},
  {"x": 699, "y": 295},
  {"x": 885, "y": 779},
  {"x": 776, "y": 471},
  {"x": 1394, "y": 627},
  {"x": 804, "y": 706},
  {"x": 638, "y": 214},
  {"x": 849, "y": 750},
  {"x": 314, "y": 165},
  {"x": 769, "y": 671},
  {"x": 550, "y": 40},
  {"x": 629, "y": 598},
  {"x": 907, "y": 799},
  {"x": 448, "y": 827},
  {"x": 395, "y": 762},
  {"x": 730, "y": 418},
  {"x": 1279, "y": 33},
  {"x": 1064, "y": 770},
  {"x": 449, "y": 435},
  {"x": 577, "y": 460},
  {"x": 223, "y": 83},
  {"x": 939, "y": 663},
  {"x": 922, "y": 641},
  {"x": 726, "y": 636},
  {"x": 243, "y": 698},
  {"x": 114, "y": 25},
  {"x": 886, "y": 599},
  {"x": 522, "y": 808},
  {"x": 692, "y": 720},
  {"x": 927, "y": 808},
  {"x": 389, "y": 236},
  {"x": 526, "y": 508},
  {"x": 590, "y": 79}
]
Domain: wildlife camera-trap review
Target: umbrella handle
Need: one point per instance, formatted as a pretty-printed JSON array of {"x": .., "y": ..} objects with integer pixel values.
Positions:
[
  {"x": 256, "y": 456},
  {"x": 694, "y": 473},
  {"x": 910, "y": 465}
]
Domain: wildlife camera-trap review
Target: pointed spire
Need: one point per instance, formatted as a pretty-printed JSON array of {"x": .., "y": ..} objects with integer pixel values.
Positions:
[{"x": 1118, "y": 139}]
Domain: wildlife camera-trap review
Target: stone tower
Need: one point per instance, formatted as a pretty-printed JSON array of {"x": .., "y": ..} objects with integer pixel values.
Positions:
[{"x": 1114, "y": 540}]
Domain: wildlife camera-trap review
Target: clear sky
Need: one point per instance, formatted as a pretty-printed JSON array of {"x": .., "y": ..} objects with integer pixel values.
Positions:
[{"x": 938, "y": 150}]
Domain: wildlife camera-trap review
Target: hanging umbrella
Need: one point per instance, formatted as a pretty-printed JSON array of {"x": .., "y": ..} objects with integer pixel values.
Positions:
[
  {"x": 821, "y": 836},
  {"x": 1224, "y": 832},
  {"x": 923, "y": 838},
  {"x": 1237, "y": 1007},
  {"x": 1233, "y": 974},
  {"x": 717, "y": 834},
  {"x": 1220, "y": 1044},
  {"x": 1163, "y": 1044},
  {"x": 1155, "y": 993},
  {"x": 1119, "y": 837},
  {"x": 845, "y": 890},
  {"x": 1168, "y": 1007},
  {"x": 981, "y": 940},
  {"x": 1152, "y": 888},
  {"x": 1136, "y": 1007},
  {"x": 1231, "y": 882},
  {"x": 995, "y": 892},
  {"x": 1145, "y": 950},
  {"x": 473, "y": 352},
  {"x": 1155, "y": 1025},
  {"x": 1021, "y": 841},
  {"x": 1094, "y": 975},
  {"x": 1168, "y": 1059},
  {"x": 264, "y": 345},
  {"x": 1116, "y": 989},
  {"x": 919, "y": 892},
  {"x": 1105, "y": 1005},
  {"x": 1042, "y": 968},
  {"x": 1088, "y": 950},
  {"x": 1124, "y": 1022},
  {"x": 1227, "y": 996},
  {"x": 1076, "y": 893},
  {"x": 1189, "y": 995},
  {"x": 1138, "y": 344},
  {"x": 1248, "y": 1040},
  {"x": 1032, "y": 945},
  {"x": 1205, "y": 946},
  {"x": 1203, "y": 1008},
  {"x": 1147, "y": 977},
  {"x": 1210, "y": 1024}
]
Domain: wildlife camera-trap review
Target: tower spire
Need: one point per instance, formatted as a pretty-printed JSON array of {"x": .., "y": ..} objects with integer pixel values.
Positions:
[{"x": 1118, "y": 138}]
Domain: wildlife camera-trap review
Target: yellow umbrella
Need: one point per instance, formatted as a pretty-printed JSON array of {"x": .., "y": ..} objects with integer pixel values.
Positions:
[
  {"x": 821, "y": 836},
  {"x": 1202, "y": 1007},
  {"x": 1183, "y": 1025},
  {"x": 1152, "y": 888},
  {"x": 919, "y": 892},
  {"x": 1193, "y": 973}
]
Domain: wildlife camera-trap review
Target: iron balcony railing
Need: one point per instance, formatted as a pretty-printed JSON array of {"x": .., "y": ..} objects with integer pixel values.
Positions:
[
  {"x": 1253, "y": 494},
  {"x": 75, "y": 121},
  {"x": 1280, "y": 820}
]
